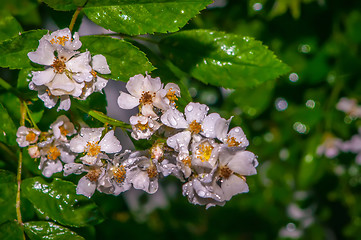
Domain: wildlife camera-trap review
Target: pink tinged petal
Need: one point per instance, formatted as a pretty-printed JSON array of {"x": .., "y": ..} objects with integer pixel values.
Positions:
[
  {"x": 52, "y": 167},
  {"x": 209, "y": 125},
  {"x": 61, "y": 82},
  {"x": 243, "y": 163},
  {"x": 180, "y": 141},
  {"x": 79, "y": 63},
  {"x": 100, "y": 84},
  {"x": 239, "y": 136},
  {"x": 232, "y": 186},
  {"x": 135, "y": 85},
  {"x": 174, "y": 118},
  {"x": 110, "y": 144},
  {"x": 44, "y": 54},
  {"x": 127, "y": 101},
  {"x": 43, "y": 77},
  {"x": 70, "y": 168},
  {"x": 99, "y": 63},
  {"x": 195, "y": 111},
  {"x": 86, "y": 187},
  {"x": 64, "y": 103}
]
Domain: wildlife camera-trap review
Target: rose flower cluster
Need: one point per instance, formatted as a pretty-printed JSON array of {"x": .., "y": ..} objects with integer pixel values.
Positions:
[{"x": 195, "y": 146}]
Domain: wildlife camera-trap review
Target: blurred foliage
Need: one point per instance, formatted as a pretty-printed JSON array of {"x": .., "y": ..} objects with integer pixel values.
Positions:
[{"x": 296, "y": 194}]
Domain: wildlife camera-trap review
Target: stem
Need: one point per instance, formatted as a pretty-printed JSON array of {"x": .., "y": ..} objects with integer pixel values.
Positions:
[
  {"x": 333, "y": 97},
  {"x": 75, "y": 16},
  {"x": 30, "y": 117}
]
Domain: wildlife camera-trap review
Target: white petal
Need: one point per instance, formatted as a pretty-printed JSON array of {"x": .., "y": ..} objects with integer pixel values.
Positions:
[
  {"x": 70, "y": 168},
  {"x": 152, "y": 84},
  {"x": 100, "y": 83},
  {"x": 243, "y": 163},
  {"x": 86, "y": 187},
  {"x": 61, "y": 85},
  {"x": 75, "y": 44},
  {"x": 44, "y": 54},
  {"x": 239, "y": 135},
  {"x": 65, "y": 54},
  {"x": 135, "y": 85},
  {"x": 110, "y": 144},
  {"x": 64, "y": 103},
  {"x": 180, "y": 141},
  {"x": 127, "y": 101},
  {"x": 147, "y": 110},
  {"x": 43, "y": 77},
  {"x": 100, "y": 64},
  {"x": 209, "y": 125},
  {"x": 79, "y": 63},
  {"x": 222, "y": 128},
  {"x": 232, "y": 186},
  {"x": 83, "y": 77},
  {"x": 52, "y": 167},
  {"x": 174, "y": 118},
  {"x": 195, "y": 111},
  {"x": 77, "y": 144}
]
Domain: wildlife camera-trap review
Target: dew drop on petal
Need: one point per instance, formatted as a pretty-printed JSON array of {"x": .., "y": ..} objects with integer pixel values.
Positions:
[
  {"x": 189, "y": 108},
  {"x": 201, "y": 193},
  {"x": 236, "y": 130}
]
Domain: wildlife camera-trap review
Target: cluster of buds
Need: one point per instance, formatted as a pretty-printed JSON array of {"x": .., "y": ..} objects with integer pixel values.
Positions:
[
  {"x": 196, "y": 147},
  {"x": 67, "y": 71}
]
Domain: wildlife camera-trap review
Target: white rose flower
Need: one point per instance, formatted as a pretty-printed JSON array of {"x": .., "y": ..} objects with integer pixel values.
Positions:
[
  {"x": 62, "y": 127},
  {"x": 143, "y": 127},
  {"x": 26, "y": 136}
]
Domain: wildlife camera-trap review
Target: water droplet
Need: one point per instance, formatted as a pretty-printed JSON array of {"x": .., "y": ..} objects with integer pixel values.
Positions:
[
  {"x": 201, "y": 193},
  {"x": 189, "y": 108},
  {"x": 237, "y": 130}
]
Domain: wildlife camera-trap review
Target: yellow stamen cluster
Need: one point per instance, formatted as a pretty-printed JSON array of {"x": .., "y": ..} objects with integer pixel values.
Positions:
[
  {"x": 119, "y": 173},
  {"x": 53, "y": 153},
  {"x": 171, "y": 96},
  {"x": 225, "y": 172},
  {"x": 59, "y": 65},
  {"x": 92, "y": 149},
  {"x": 93, "y": 175},
  {"x": 204, "y": 151},
  {"x": 60, "y": 40},
  {"x": 146, "y": 98},
  {"x": 30, "y": 137},
  {"x": 142, "y": 127},
  {"x": 232, "y": 142},
  {"x": 63, "y": 131},
  {"x": 187, "y": 161},
  {"x": 94, "y": 73},
  {"x": 195, "y": 127},
  {"x": 152, "y": 171}
]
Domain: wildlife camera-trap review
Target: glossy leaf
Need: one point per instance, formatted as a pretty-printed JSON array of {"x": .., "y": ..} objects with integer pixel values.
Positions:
[
  {"x": 220, "y": 59},
  {"x": 7, "y": 127},
  {"x": 11, "y": 231},
  {"x": 60, "y": 202},
  {"x": 7, "y": 196},
  {"x": 124, "y": 59},
  {"x": 9, "y": 26},
  {"x": 13, "y": 52},
  {"x": 64, "y": 5},
  {"x": 143, "y": 16},
  {"x": 37, "y": 230}
]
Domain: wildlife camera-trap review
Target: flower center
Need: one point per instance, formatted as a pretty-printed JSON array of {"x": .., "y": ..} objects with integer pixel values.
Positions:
[
  {"x": 60, "y": 40},
  {"x": 146, "y": 98},
  {"x": 204, "y": 151},
  {"x": 53, "y": 153},
  {"x": 92, "y": 148},
  {"x": 171, "y": 96},
  {"x": 63, "y": 131},
  {"x": 232, "y": 142},
  {"x": 119, "y": 173},
  {"x": 59, "y": 65},
  {"x": 225, "y": 172},
  {"x": 195, "y": 127},
  {"x": 93, "y": 175},
  {"x": 94, "y": 73},
  {"x": 152, "y": 171},
  {"x": 30, "y": 137},
  {"x": 187, "y": 161},
  {"x": 142, "y": 127}
]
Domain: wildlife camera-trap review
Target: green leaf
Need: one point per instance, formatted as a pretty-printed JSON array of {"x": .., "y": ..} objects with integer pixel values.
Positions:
[
  {"x": 143, "y": 16},
  {"x": 7, "y": 196},
  {"x": 37, "y": 230},
  {"x": 253, "y": 101},
  {"x": 59, "y": 201},
  {"x": 124, "y": 59},
  {"x": 13, "y": 52},
  {"x": 7, "y": 127},
  {"x": 220, "y": 59},
  {"x": 9, "y": 26},
  {"x": 64, "y": 5},
  {"x": 11, "y": 231}
]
